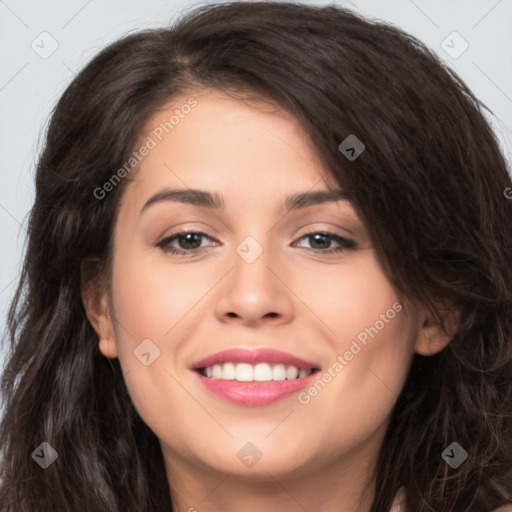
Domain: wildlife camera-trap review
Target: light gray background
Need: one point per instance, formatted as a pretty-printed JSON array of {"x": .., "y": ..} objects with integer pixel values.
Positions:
[{"x": 31, "y": 81}]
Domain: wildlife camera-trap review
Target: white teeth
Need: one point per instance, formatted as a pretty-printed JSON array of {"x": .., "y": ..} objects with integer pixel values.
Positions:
[
  {"x": 291, "y": 372},
  {"x": 261, "y": 372},
  {"x": 244, "y": 372},
  {"x": 228, "y": 372},
  {"x": 217, "y": 371},
  {"x": 279, "y": 372}
]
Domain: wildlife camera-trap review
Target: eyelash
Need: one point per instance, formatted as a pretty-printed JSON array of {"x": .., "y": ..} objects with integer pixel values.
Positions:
[{"x": 164, "y": 243}]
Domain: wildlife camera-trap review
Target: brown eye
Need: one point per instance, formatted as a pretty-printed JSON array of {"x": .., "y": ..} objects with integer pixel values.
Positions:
[
  {"x": 321, "y": 241},
  {"x": 183, "y": 242}
]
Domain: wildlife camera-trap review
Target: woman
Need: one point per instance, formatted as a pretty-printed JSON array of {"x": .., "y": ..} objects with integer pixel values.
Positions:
[{"x": 269, "y": 268}]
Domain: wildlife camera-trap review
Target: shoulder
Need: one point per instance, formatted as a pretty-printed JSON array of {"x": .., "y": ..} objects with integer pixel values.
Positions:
[{"x": 398, "y": 503}]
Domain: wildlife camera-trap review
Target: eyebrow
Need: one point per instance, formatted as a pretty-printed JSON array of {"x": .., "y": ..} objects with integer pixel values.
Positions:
[{"x": 215, "y": 201}]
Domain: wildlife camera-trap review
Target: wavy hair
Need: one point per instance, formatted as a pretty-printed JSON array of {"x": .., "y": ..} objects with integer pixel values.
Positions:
[{"x": 431, "y": 187}]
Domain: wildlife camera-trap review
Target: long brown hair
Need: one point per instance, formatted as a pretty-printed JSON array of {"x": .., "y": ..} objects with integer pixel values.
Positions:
[{"x": 430, "y": 186}]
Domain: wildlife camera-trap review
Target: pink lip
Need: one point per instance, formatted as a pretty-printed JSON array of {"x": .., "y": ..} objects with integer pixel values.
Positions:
[
  {"x": 253, "y": 356},
  {"x": 254, "y": 393}
]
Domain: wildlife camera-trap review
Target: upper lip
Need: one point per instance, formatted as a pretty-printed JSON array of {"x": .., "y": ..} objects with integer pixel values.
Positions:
[{"x": 253, "y": 356}]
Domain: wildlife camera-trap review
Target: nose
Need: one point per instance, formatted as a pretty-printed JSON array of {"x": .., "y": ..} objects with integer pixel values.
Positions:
[{"x": 255, "y": 293}]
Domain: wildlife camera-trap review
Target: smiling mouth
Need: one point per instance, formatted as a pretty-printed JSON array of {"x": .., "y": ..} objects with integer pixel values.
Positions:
[
  {"x": 261, "y": 372},
  {"x": 254, "y": 377}
]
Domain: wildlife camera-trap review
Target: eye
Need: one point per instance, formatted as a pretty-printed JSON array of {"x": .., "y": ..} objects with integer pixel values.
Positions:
[
  {"x": 189, "y": 242},
  {"x": 320, "y": 241}
]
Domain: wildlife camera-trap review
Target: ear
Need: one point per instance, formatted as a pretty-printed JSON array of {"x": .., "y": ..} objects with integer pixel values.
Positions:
[
  {"x": 432, "y": 335},
  {"x": 97, "y": 307}
]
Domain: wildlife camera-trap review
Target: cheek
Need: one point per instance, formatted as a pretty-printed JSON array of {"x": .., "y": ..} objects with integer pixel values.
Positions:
[
  {"x": 155, "y": 301},
  {"x": 372, "y": 338},
  {"x": 351, "y": 297},
  {"x": 149, "y": 301},
  {"x": 151, "y": 296}
]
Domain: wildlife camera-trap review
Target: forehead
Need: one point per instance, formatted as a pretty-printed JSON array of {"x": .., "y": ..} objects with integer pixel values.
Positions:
[{"x": 223, "y": 144}]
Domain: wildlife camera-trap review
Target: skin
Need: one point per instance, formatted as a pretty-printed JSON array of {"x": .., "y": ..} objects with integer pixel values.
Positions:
[{"x": 315, "y": 456}]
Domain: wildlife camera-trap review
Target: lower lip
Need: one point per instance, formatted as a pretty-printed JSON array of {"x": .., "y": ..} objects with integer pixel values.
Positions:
[{"x": 254, "y": 393}]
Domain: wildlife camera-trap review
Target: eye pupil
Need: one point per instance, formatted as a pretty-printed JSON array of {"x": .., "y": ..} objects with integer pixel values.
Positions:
[
  {"x": 326, "y": 240},
  {"x": 189, "y": 239}
]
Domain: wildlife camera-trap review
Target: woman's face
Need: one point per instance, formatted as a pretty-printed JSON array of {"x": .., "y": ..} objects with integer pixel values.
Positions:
[{"x": 256, "y": 281}]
